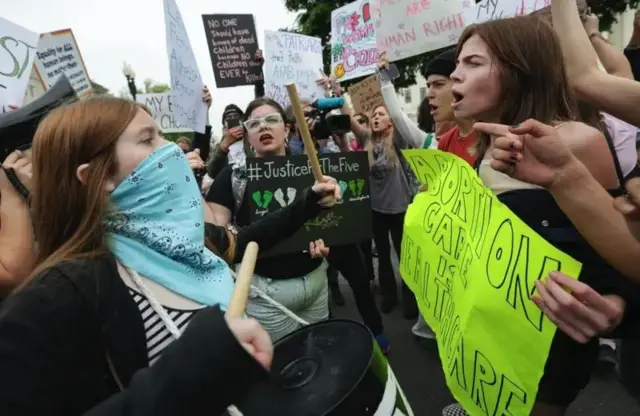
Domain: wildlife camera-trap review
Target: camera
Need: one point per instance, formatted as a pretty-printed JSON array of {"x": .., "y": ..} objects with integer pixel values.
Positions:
[{"x": 328, "y": 124}]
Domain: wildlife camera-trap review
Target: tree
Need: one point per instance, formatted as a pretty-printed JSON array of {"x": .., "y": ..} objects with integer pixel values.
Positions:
[
  {"x": 314, "y": 19},
  {"x": 99, "y": 89},
  {"x": 152, "y": 87}
]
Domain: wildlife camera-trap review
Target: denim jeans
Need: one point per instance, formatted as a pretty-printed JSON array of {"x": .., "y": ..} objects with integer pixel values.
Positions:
[{"x": 306, "y": 296}]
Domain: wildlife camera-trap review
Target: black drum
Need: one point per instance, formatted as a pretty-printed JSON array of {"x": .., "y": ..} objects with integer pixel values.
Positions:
[{"x": 329, "y": 368}]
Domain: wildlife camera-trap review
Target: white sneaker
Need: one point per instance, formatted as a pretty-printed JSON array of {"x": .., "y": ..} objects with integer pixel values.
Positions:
[
  {"x": 422, "y": 330},
  {"x": 454, "y": 409}
]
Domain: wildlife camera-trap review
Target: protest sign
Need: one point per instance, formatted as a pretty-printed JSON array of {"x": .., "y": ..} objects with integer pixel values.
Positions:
[
  {"x": 233, "y": 45},
  {"x": 353, "y": 41},
  {"x": 472, "y": 264},
  {"x": 161, "y": 107},
  {"x": 366, "y": 94},
  {"x": 290, "y": 57},
  {"x": 35, "y": 88},
  {"x": 408, "y": 29},
  {"x": 501, "y": 9},
  {"x": 186, "y": 82},
  {"x": 58, "y": 54},
  {"x": 17, "y": 53},
  {"x": 275, "y": 182}
]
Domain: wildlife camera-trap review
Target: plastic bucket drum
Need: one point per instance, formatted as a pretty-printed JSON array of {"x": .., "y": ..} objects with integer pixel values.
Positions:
[{"x": 329, "y": 368}]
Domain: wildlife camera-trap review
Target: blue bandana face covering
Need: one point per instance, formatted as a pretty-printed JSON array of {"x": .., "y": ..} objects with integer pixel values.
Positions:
[{"x": 157, "y": 229}]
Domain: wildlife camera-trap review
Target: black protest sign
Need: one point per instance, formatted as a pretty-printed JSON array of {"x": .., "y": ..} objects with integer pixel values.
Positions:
[
  {"x": 275, "y": 182},
  {"x": 233, "y": 45}
]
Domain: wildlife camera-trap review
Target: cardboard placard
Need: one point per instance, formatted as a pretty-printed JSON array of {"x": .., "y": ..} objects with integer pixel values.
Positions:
[{"x": 366, "y": 95}]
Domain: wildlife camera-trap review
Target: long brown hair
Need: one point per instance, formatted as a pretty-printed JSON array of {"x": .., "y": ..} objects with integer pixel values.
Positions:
[
  {"x": 67, "y": 214},
  {"x": 390, "y": 151},
  {"x": 533, "y": 80}
]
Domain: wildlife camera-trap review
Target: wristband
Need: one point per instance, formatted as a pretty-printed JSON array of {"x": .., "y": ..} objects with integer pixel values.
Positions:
[{"x": 15, "y": 182}]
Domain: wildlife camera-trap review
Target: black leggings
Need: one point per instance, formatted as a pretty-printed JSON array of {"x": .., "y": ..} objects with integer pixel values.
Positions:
[
  {"x": 350, "y": 262},
  {"x": 383, "y": 225}
]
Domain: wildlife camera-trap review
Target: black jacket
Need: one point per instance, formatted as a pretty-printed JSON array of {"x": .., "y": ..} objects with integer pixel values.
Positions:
[{"x": 60, "y": 335}]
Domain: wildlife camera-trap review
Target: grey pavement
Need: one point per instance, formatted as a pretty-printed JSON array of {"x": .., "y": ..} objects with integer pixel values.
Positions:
[{"x": 417, "y": 366}]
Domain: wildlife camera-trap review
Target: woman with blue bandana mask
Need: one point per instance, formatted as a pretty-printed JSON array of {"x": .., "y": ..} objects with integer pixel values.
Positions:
[{"x": 123, "y": 311}]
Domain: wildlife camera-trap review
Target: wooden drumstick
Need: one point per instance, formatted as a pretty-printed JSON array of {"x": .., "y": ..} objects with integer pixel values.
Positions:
[
  {"x": 301, "y": 121},
  {"x": 240, "y": 296}
]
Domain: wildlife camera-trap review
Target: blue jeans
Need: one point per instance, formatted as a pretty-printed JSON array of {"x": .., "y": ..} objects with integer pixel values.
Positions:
[{"x": 306, "y": 296}]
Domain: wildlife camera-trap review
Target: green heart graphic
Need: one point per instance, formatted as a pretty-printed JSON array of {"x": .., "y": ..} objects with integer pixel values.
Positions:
[
  {"x": 257, "y": 198},
  {"x": 267, "y": 197}
]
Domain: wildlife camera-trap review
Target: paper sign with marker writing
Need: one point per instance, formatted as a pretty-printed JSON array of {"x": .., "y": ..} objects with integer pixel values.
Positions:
[
  {"x": 186, "y": 82},
  {"x": 290, "y": 57},
  {"x": 17, "y": 52},
  {"x": 472, "y": 264},
  {"x": 58, "y": 54},
  {"x": 406, "y": 28},
  {"x": 162, "y": 111},
  {"x": 353, "y": 41},
  {"x": 501, "y": 9},
  {"x": 366, "y": 95}
]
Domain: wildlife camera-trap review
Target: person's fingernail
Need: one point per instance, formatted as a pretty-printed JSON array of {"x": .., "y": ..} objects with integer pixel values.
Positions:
[{"x": 515, "y": 126}]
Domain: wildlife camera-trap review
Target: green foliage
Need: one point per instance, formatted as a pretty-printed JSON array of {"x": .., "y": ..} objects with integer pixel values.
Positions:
[
  {"x": 314, "y": 19},
  {"x": 152, "y": 87},
  {"x": 99, "y": 89},
  {"x": 606, "y": 10},
  {"x": 172, "y": 137}
]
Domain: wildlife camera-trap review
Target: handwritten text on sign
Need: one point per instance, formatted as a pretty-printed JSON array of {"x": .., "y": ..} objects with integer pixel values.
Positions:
[
  {"x": 366, "y": 95},
  {"x": 58, "y": 54},
  {"x": 501, "y": 9},
  {"x": 353, "y": 41},
  {"x": 407, "y": 28},
  {"x": 186, "y": 82},
  {"x": 17, "y": 51},
  {"x": 275, "y": 183},
  {"x": 290, "y": 57},
  {"x": 161, "y": 107},
  {"x": 472, "y": 265},
  {"x": 233, "y": 45}
]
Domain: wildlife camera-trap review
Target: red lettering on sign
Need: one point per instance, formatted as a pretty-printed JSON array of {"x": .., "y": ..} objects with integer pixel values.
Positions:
[
  {"x": 417, "y": 7},
  {"x": 399, "y": 39},
  {"x": 445, "y": 24}
]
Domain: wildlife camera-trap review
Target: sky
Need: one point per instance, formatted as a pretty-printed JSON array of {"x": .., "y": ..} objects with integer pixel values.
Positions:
[{"x": 111, "y": 32}]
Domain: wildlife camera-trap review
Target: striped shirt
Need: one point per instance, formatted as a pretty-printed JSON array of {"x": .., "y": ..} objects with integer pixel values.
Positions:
[{"x": 156, "y": 333}]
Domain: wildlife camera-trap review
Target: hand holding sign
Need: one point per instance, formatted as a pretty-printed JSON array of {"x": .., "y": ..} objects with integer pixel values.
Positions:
[
  {"x": 328, "y": 190},
  {"x": 577, "y": 309},
  {"x": 532, "y": 152}
]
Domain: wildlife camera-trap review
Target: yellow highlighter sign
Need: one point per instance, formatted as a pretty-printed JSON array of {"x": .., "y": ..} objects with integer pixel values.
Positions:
[{"x": 472, "y": 265}]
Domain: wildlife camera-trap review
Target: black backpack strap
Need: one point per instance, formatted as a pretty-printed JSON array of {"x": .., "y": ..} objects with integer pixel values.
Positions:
[{"x": 616, "y": 161}]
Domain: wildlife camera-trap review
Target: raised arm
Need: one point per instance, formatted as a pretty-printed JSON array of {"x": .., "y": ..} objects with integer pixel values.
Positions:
[
  {"x": 16, "y": 233},
  {"x": 617, "y": 96},
  {"x": 268, "y": 231},
  {"x": 612, "y": 59}
]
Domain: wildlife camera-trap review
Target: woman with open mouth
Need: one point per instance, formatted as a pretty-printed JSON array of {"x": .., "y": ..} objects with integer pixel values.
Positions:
[{"x": 508, "y": 71}]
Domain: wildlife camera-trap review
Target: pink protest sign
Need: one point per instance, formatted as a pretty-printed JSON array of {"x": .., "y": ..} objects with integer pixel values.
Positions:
[
  {"x": 406, "y": 28},
  {"x": 353, "y": 41}
]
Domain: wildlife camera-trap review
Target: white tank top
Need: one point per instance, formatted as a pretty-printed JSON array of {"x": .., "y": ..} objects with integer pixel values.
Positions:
[{"x": 498, "y": 182}]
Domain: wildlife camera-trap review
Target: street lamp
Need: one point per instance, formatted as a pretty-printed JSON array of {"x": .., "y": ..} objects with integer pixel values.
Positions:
[{"x": 130, "y": 75}]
